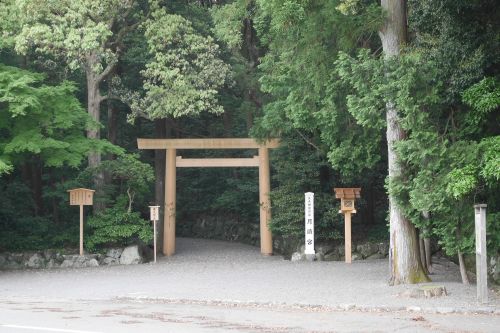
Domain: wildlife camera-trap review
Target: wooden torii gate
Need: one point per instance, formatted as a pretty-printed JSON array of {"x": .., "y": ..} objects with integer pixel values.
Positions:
[{"x": 173, "y": 161}]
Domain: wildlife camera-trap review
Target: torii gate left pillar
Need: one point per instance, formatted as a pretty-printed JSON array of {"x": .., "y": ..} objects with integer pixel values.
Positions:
[{"x": 173, "y": 161}]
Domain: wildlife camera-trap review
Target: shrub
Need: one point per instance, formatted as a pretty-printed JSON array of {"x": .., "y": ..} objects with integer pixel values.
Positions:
[{"x": 117, "y": 227}]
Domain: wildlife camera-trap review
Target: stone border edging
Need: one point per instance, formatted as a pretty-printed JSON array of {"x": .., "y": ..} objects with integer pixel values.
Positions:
[
  {"x": 53, "y": 259},
  {"x": 314, "y": 308}
]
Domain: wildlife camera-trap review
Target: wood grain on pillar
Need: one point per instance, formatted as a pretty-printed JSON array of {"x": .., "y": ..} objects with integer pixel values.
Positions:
[
  {"x": 170, "y": 198},
  {"x": 266, "y": 239}
]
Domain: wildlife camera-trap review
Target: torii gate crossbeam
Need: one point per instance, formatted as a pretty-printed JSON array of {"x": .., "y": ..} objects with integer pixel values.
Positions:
[{"x": 173, "y": 161}]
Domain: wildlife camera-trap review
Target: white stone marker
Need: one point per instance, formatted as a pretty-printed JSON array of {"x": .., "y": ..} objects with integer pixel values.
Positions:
[
  {"x": 155, "y": 216},
  {"x": 481, "y": 255},
  {"x": 309, "y": 226}
]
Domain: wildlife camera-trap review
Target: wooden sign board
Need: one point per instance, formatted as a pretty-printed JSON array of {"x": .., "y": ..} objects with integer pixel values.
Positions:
[
  {"x": 81, "y": 196},
  {"x": 347, "y": 204},
  {"x": 154, "y": 213}
]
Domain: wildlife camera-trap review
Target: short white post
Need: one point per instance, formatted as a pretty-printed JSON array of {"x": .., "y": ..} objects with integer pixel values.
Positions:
[
  {"x": 154, "y": 214},
  {"x": 481, "y": 253},
  {"x": 81, "y": 229},
  {"x": 309, "y": 226}
]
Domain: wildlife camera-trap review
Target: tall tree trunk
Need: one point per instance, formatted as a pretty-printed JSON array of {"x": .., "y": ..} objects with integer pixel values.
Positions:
[
  {"x": 370, "y": 205},
  {"x": 32, "y": 177},
  {"x": 112, "y": 130},
  {"x": 421, "y": 247},
  {"x": 26, "y": 174},
  {"x": 250, "y": 51},
  {"x": 463, "y": 271},
  {"x": 36, "y": 185},
  {"x": 427, "y": 243},
  {"x": 461, "y": 262},
  {"x": 94, "y": 158},
  {"x": 112, "y": 123},
  {"x": 404, "y": 258},
  {"x": 226, "y": 118},
  {"x": 428, "y": 254},
  {"x": 423, "y": 254}
]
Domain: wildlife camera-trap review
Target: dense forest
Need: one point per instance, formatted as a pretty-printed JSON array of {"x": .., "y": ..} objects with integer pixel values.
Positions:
[{"x": 400, "y": 98}]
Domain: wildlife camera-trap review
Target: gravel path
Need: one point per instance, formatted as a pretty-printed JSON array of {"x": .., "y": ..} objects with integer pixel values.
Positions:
[{"x": 212, "y": 271}]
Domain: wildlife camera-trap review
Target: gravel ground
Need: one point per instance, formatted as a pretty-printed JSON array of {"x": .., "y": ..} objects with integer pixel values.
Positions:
[{"x": 207, "y": 271}]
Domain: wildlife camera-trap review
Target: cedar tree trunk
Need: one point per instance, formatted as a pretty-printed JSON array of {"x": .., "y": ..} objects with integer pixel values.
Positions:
[
  {"x": 404, "y": 255},
  {"x": 93, "y": 108}
]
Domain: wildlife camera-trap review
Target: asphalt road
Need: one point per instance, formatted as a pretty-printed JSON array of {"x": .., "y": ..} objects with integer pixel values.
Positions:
[
  {"x": 211, "y": 286},
  {"x": 121, "y": 316}
]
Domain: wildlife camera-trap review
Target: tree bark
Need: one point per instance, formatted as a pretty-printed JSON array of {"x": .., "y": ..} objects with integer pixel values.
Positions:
[
  {"x": 36, "y": 185},
  {"x": 463, "y": 271},
  {"x": 405, "y": 265},
  {"x": 421, "y": 247},
  {"x": 427, "y": 243},
  {"x": 251, "y": 52},
  {"x": 93, "y": 108},
  {"x": 112, "y": 134},
  {"x": 428, "y": 254},
  {"x": 112, "y": 124}
]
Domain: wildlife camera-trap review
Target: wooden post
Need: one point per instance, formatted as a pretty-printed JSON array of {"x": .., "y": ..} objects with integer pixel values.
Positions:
[
  {"x": 266, "y": 239},
  {"x": 347, "y": 231},
  {"x": 154, "y": 239},
  {"x": 481, "y": 254},
  {"x": 81, "y": 197},
  {"x": 347, "y": 198},
  {"x": 81, "y": 229},
  {"x": 170, "y": 197},
  {"x": 154, "y": 215}
]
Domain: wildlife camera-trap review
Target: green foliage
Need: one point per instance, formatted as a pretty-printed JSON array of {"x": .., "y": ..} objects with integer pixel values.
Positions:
[
  {"x": 443, "y": 168},
  {"x": 130, "y": 180},
  {"x": 454, "y": 230},
  {"x": 303, "y": 170},
  {"x": 37, "y": 233},
  {"x": 117, "y": 227},
  {"x": 309, "y": 72},
  {"x": 42, "y": 120},
  {"x": 9, "y": 24},
  {"x": 228, "y": 21},
  {"x": 20, "y": 231},
  {"x": 74, "y": 31},
  {"x": 450, "y": 152},
  {"x": 300, "y": 73},
  {"x": 185, "y": 73},
  {"x": 483, "y": 97}
]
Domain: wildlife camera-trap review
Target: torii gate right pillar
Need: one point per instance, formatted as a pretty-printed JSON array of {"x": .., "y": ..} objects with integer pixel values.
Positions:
[
  {"x": 170, "y": 203},
  {"x": 266, "y": 239}
]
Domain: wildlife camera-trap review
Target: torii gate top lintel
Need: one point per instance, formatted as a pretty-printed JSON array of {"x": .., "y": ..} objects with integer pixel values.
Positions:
[
  {"x": 212, "y": 143},
  {"x": 173, "y": 161}
]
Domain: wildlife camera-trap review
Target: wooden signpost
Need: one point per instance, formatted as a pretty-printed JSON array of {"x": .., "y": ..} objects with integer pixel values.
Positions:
[
  {"x": 81, "y": 197},
  {"x": 481, "y": 255},
  {"x": 154, "y": 212},
  {"x": 347, "y": 198}
]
